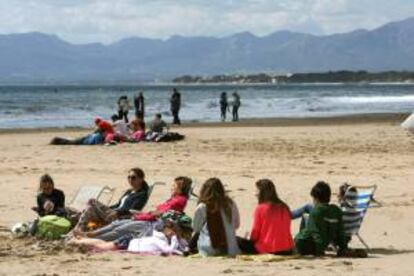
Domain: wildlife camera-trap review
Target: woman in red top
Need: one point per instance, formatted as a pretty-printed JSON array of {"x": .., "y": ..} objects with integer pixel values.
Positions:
[
  {"x": 180, "y": 192},
  {"x": 271, "y": 226}
]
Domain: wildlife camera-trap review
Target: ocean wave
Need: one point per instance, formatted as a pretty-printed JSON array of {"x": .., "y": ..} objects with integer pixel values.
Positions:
[
  {"x": 79, "y": 106},
  {"x": 372, "y": 99}
]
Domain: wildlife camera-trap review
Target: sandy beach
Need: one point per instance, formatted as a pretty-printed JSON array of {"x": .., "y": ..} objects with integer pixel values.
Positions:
[{"x": 293, "y": 153}]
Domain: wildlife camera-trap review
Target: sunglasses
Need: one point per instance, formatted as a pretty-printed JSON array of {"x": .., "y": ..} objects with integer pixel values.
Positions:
[{"x": 132, "y": 177}]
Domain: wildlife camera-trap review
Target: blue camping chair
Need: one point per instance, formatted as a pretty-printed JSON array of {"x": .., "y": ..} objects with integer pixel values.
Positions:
[{"x": 355, "y": 204}]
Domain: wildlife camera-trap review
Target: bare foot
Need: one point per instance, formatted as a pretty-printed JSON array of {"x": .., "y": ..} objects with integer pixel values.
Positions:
[{"x": 77, "y": 233}]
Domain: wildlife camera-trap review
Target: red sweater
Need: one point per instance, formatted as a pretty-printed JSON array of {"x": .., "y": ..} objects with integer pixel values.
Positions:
[
  {"x": 271, "y": 229},
  {"x": 177, "y": 203}
]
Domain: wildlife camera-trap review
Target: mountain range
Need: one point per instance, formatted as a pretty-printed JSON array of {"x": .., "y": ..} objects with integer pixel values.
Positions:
[{"x": 42, "y": 57}]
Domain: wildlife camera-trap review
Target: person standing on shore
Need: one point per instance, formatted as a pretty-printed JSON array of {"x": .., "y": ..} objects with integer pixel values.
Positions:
[
  {"x": 123, "y": 108},
  {"x": 224, "y": 106},
  {"x": 236, "y": 104},
  {"x": 175, "y": 102},
  {"x": 139, "y": 106}
]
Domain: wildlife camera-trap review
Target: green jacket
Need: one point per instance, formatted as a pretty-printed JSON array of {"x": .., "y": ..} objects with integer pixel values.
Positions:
[{"x": 324, "y": 226}]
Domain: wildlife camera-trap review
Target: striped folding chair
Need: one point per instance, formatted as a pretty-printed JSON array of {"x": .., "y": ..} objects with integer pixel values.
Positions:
[{"x": 354, "y": 205}]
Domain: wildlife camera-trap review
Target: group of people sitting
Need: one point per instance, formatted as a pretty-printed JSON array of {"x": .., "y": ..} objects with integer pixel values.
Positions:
[
  {"x": 120, "y": 131},
  {"x": 211, "y": 231}
]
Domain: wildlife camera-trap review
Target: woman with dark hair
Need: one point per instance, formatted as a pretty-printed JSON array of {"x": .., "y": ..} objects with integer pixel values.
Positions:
[
  {"x": 271, "y": 224},
  {"x": 215, "y": 221},
  {"x": 134, "y": 198},
  {"x": 142, "y": 222},
  {"x": 50, "y": 201}
]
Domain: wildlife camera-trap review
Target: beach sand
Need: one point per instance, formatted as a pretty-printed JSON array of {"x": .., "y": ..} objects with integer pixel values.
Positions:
[{"x": 294, "y": 154}]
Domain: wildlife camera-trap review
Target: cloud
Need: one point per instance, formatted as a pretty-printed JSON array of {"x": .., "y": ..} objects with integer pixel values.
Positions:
[{"x": 81, "y": 21}]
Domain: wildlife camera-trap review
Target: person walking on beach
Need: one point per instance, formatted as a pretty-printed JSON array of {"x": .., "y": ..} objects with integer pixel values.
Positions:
[
  {"x": 139, "y": 106},
  {"x": 175, "y": 102},
  {"x": 224, "y": 106},
  {"x": 123, "y": 108},
  {"x": 236, "y": 104}
]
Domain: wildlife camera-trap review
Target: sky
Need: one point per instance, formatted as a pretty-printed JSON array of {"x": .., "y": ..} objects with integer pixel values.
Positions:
[{"x": 107, "y": 21}]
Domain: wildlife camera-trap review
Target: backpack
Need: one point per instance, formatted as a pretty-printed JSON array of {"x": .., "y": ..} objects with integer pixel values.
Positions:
[{"x": 52, "y": 227}]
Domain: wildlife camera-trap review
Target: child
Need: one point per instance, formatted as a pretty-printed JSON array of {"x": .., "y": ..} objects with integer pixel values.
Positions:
[
  {"x": 324, "y": 226},
  {"x": 165, "y": 242},
  {"x": 138, "y": 131},
  {"x": 50, "y": 201}
]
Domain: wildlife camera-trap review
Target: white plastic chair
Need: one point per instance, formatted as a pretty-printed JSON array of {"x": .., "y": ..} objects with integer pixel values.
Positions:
[{"x": 85, "y": 193}]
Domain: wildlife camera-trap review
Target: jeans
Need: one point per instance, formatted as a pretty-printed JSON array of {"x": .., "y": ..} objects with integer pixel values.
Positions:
[
  {"x": 119, "y": 228},
  {"x": 223, "y": 110},
  {"x": 176, "y": 119},
  {"x": 235, "y": 112}
]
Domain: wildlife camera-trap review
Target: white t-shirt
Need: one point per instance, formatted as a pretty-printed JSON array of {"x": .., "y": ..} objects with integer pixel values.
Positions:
[
  {"x": 156, "y": 244},
  {"x": 121, "y": 127}
]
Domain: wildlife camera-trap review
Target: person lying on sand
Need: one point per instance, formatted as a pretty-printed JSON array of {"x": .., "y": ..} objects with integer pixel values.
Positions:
[
  {"x": 102, "y": 131},
  {"x": 167, "y": 241},
  {"x": 132, "y": 132},
  {"x": 137, "y": 131},
  {"x": 134, "y": 198},
  {"x": 143, "y": 220}
]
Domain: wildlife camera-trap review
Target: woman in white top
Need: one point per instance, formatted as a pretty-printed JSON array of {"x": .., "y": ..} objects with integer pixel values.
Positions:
[{"x": 216, "y": 220}]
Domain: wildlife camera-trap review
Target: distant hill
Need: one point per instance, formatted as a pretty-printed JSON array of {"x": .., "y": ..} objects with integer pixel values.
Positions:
[{"x": 42, "y": 57}]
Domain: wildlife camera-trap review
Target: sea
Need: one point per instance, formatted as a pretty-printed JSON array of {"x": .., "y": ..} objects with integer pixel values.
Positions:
[{"x": 43, "y": 106}]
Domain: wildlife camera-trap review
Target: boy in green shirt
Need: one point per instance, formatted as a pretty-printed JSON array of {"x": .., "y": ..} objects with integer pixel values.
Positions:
[{"x": 324, "y": 226}]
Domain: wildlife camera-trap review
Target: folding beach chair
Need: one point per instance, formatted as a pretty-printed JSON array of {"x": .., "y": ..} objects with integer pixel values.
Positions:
[
  {"x": 90, "y": 191},
  {"x": 193, "y": 194},
  {"x": 150, "y": 190},
  {"x": 151, "y": 187},
  {"x": 356, "y": 201}
]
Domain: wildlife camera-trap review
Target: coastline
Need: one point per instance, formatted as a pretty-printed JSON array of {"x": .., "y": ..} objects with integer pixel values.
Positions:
[
  {"x": 294, "y": 153},
  {"x": 353, "y": 119}
]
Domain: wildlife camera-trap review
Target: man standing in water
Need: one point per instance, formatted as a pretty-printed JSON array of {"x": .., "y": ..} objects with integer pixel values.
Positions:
[
  {"x": 139, "y": 106},
  {"x": 224, "y": 106},
  {"x": 123, "y": 107},
  {"x": 175, "y": 102},
  {"x": 236, "y": 104}
]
